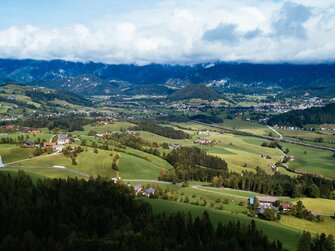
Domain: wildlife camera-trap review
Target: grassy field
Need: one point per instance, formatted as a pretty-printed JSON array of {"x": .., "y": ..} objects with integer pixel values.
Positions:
[
  {"x": 275, "y": 231},
  {"x": 241, "y": 125},
  {"x": 102, "y": 128},
  {"x": 240, "y": 152},
  {"x": 327, "y": 226},
  {"x": 311, "y": 160},
  {"x": 141, "y": 166},
  {"x": 246, "y": 126},
  {"x": 12, "y": 153},
  {"x": 319, "y": 205},
  {"x": 327, "y": 136}
]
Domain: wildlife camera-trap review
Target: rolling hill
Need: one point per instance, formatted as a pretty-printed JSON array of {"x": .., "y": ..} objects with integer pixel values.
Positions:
[
  {"x": 199, "y": 91},
  {"x": 30, "y": 98}
]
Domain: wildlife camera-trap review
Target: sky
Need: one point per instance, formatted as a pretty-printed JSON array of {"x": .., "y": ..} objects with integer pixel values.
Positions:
[{"x": 169, "y": 31}]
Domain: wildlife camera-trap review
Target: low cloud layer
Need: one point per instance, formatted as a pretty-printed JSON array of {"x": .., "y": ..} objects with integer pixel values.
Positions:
[{"x": 187, "y": 33}]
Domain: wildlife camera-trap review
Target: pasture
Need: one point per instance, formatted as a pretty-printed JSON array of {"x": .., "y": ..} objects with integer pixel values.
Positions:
[
  {"x": 311, "y": 160},
  {"x": 274, "y": 230}
]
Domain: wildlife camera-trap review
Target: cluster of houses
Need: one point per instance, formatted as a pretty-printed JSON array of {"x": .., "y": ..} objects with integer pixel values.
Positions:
[
  {"x": 63, "y": 139},
  {"x": 141, "y": 191},
  {"x": 57, "y": 146},
  {"x": 269, "y": 202},
  {"x": 203, "y": 141},
  {"x": 203, "y": 132},
  {"x": 18, "y": 128},
  {"x": 174, "y": 146}
]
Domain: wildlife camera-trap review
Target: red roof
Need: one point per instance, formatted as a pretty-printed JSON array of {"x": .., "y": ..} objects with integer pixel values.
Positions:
[{"x": 287, "y": 206}]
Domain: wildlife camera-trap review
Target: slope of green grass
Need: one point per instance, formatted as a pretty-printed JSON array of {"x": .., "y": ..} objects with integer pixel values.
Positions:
[
  {"x": 311, "y": 160},
  {"x": 12, "y": 153},
  {"x": 322, "y": 206},
  {"x": 327, "y": 226},
  {"x": 141, "y": 166},
  {"x": 274, "y": 230}
]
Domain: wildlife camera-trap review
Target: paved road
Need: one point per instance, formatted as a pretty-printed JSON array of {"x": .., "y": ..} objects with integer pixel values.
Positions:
[{"x": 276, "y": 132}]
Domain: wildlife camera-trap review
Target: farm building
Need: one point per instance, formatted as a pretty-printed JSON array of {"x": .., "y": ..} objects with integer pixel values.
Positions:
[
  {"x": 174, "y": 146},
  {"x": 263, "y": 200},
  {"x": 202, "y": 141},
  {"x": 149, "y": 192},
  {"x": 27, "y": 144},
  {"x": 49, "y": 145},
  {"x": 63, "y": 139},
  {"x": 264, "y": 203},
  {"x": 35, "y": 131},
  {"x": 138, "y": 188},
  {"x": 286, "y": 206}
]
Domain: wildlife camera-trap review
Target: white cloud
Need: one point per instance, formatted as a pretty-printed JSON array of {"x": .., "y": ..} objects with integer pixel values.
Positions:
[{"x": 191, "y": 32}]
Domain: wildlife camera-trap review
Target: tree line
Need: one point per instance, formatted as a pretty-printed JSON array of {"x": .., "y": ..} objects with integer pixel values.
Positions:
[
  {"x": 192, "y": 163},
  {"x": 299, "y": 118},
  {"x": 164, "y": 131},
  {"x": 68, "y": 123},
  {"x": 278, "y": 184}
]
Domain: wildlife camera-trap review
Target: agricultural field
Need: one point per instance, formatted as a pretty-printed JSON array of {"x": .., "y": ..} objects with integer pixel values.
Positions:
[
  {"x": 322, "y": 206},
  {"x": 311, "y": 160},
  {"x": 328, "y": 137},
  {"x": 246, "y": 126},
  {"x": 117, "y": 126}
]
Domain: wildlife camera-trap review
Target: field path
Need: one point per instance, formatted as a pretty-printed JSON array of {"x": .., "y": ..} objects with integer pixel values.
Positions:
[
  {"x": 201, "y": 188},
  {"x": 276, "y": 132},
  {"x": 52, "y": 137},
  {"x": 17, "y": 161}
]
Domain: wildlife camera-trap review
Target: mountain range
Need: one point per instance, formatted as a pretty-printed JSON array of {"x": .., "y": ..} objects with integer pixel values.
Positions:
[{"x": 97, "y": 78}]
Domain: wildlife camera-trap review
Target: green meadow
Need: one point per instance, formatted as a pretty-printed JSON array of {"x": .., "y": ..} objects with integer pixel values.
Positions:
[
  {"x": 311, "y": 160},
  {"x": 10, "y": 153},
  {"x": 274, "y": 230},
  {"x": 132, "y": 164}
]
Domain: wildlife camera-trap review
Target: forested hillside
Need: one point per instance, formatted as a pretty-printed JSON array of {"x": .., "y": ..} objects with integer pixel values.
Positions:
[
  {"x": 299, "y": 118},
  {"x": 97, "y": 214}
]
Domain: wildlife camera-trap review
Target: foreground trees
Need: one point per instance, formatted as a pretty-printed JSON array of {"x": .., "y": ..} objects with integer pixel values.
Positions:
[
  {"x": 316, "y": 243},
  {"x": 100, "y": 215}
]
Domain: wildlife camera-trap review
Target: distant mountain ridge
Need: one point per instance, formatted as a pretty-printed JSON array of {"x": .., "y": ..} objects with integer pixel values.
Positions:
[{"x": 97, "y": 78}]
